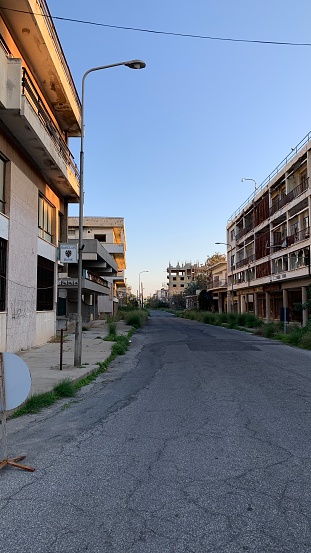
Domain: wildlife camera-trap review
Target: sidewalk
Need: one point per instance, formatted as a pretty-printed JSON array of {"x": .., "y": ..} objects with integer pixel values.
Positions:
[{"x": 44, "y": 361}]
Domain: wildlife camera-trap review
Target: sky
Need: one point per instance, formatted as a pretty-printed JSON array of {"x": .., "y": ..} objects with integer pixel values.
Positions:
[{"x": 166, "y": 147}]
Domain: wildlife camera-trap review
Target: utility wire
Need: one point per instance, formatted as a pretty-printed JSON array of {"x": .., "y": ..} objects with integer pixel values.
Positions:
[{"x": 167, "y": 33}]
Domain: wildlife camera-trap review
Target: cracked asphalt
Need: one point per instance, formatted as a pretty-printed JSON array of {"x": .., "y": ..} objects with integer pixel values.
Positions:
[{"x": 196, "y": 441}]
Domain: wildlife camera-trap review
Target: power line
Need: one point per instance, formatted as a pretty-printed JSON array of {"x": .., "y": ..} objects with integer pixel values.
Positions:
[{"x": 166, "y": 33}]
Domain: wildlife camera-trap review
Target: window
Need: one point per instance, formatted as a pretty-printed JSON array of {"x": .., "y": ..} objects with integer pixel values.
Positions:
[
  {"x": 45, "y": 284},
  {"x": 2, "y": 175},
  {"x": 100, "y": 237},
  {"x": 45, "y": 219},
  {"x": 3, "y": 244}
]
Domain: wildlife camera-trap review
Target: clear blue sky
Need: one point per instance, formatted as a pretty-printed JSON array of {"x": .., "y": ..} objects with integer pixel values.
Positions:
[{"x": 166, "y": 147}]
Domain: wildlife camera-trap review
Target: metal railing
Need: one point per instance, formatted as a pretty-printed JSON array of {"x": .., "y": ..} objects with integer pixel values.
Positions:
[
  {"x": 244, "y": 231},
  {"x": 96, "y": 278},
  {"x": 298, "y": 236},
  {"x": 4, "y": 46},
  {"x": 30, "y": 92},
  {"x": 273, "y": 173},
  {"x": 302, "y": 187},
  {"x": 245, "y": 261}
]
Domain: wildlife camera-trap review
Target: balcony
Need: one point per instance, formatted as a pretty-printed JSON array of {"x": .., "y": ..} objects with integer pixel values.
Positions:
[
  {"x": 245, "y": 261},
  {"x": 244, "y": 231},
  {"x": 24, "y": 113},
  {"x": 302, "y": 187}
]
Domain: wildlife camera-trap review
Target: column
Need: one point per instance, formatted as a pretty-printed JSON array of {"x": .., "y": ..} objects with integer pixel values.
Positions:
[
  {"x": 256, "y": 304},
  {"x": 267, "y": 307},
  {"x": 304, "y": 299}
]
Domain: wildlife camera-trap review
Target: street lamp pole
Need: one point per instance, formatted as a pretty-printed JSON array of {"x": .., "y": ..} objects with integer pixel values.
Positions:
[
  {"x": 132, "y": 64},
  {"x": 139, "y": 291},
  {"x": 232, "y": 303}
]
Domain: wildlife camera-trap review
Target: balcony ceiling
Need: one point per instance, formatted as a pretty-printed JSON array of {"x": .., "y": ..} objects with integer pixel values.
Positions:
[{"x": 49, "y": 70}]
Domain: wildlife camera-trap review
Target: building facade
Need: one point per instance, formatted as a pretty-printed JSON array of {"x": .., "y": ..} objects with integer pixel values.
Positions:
[
  {"x": 269, "y": 243},
  {"x": 39, "y": 111},
  {"x": 110, "y": 233},
  {"x": 179, "y": 277}
]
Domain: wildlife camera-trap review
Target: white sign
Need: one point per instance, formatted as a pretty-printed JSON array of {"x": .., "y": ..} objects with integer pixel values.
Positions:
[{"x": 68, "y": 253}]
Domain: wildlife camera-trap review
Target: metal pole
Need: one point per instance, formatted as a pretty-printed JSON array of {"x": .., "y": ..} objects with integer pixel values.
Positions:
[{"x": 132, "y": 64}]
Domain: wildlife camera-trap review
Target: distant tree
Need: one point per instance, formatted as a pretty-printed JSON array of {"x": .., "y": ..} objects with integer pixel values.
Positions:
[
  {"x": 215, "y": 258},
  {"x": 192, "y": 288},
  {"x": 205, "y": 301},
  {"x": 178, "y": 301}
]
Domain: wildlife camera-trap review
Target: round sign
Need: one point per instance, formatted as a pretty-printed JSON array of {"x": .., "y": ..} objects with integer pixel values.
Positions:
[{"x": 17, "y": 381}]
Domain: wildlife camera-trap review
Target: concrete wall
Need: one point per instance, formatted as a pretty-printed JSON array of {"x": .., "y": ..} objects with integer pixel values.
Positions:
[
  {"x": 45, "y": 326},
  {"x": 2, "y": 331}
]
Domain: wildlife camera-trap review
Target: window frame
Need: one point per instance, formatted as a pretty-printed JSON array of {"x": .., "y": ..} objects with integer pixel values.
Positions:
[{"x": 46, "y": 216}]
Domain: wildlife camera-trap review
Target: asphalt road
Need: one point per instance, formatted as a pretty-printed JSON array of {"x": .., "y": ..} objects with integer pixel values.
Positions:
[{"x": 196, "y": 441}]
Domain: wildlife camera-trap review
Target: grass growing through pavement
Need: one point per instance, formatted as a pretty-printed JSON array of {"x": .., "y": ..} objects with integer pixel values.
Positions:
[
  {"x": 36, "y": 402},
  {"x": 67, "y": 388}
]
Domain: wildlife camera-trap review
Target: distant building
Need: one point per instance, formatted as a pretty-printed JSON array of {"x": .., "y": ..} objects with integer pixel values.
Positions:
[
  {"x": 110, "y": 233},
  {"x": 179, "y": 278}
]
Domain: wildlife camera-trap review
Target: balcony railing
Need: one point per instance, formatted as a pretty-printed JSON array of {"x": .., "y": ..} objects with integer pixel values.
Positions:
[
  {"x": 245, "y": 261},
  {"x": 298, "y": 236},
  {"x": 244, "y": 231},
  {"x": 218, "y": 283},
  {"x": 95, "y": 278},
  {"x": 32, "y": 95},
  {"x": 290, "y": 196}
]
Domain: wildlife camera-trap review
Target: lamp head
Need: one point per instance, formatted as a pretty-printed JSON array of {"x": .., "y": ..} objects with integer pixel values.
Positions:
[{"x": 135, "y": 64}]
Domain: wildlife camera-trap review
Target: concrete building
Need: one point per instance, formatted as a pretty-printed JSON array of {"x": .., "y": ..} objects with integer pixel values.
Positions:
[
  {"x": 217, "y": 287},
  {"x": 110, "y": 233},
  {"x": 179, "y": 277},
  {"x": 269, "y": 242},
  {"x": 39, "y": 111}
]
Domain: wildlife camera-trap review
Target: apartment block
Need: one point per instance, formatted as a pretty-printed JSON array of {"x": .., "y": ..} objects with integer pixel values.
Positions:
[
  {"x": 110, "y": 233},
  {"x": 269, "y": 243},
  {"x": 39, "y": 111},
  {"x": 179, "y": 277}
]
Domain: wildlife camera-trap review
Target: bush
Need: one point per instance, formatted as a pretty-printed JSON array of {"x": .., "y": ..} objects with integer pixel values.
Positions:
[
  {"x": 121, "y": 346},
  {"x": 136, "y": 318},
  {"x": 305, "y": 340},
  {"x": 268, "y": 330}
]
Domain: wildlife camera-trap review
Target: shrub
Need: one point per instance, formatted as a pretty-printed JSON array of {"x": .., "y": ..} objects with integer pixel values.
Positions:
[
  {"x": 121, "y": 346},
  {"x": 268, "y": 330},
  {"x": 305, "y": 340}
]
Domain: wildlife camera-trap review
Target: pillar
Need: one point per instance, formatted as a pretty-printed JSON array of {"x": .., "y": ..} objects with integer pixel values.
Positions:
[
  {"x": 304, "y": 299},
  {"x": 256, "y": 304},
  {"x": 267, "y": 307}
]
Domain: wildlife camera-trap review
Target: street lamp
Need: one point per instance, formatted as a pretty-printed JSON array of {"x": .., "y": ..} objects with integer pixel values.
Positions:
[
  {"x": 244, "y": 179},
  {"x": 132, "y": 64},
  {"x": 232, "y": 304},
  {"x": 139, "y": 292}
]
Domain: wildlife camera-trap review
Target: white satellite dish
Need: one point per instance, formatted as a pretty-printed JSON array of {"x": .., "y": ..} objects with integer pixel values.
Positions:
[
  {"x": 15, "y": 384},
  {"x": 17, "y": 381}
]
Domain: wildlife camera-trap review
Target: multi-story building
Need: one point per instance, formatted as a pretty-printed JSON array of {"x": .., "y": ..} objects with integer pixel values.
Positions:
[
  {"x": 269, "y": 242},
  {"x": 39, "y": 111},
  {"x": 218, "y": 287},
  {"x": 110, "y": 233},
  {"x": 179, "y": 278}
]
